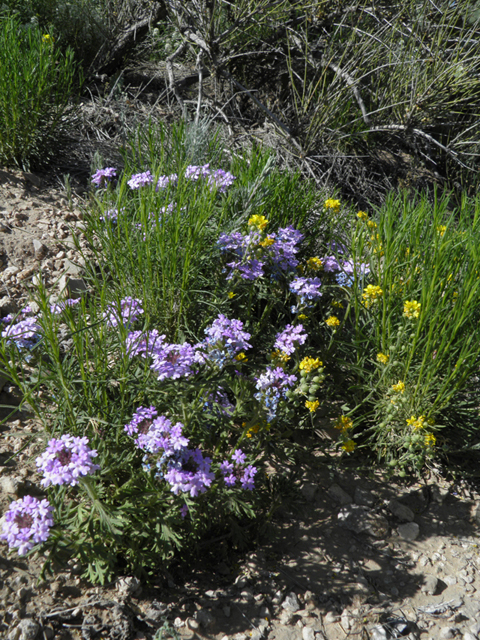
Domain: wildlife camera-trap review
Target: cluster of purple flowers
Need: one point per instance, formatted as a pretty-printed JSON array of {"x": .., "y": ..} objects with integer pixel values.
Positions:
[
  {"x": 129, "y": 310},
  {"x": 24, "y": 333},
  {"x": 139, "y": 180},
  {"x": 218, "y": 403},
  {"x": 345, "y": 270},
  {"x": 166, "y": 181},
  {"x": 287, "y": 340},
  {"x": 272, "y": 386},
  {"x": 306, "y": 289},
  {"x": 168, "y": 360},
  {"x": 65, "y": 460},
  {"x": 185, "y": 470},
  {"x": 111, "y": 215},
  {"x": 104, "y": 176},
  {"x": 233, "y": 473},
  {"x": 58, "y": 307},
  {"x": 27, "y": 522},
  {"x": 254, "y": 252}
]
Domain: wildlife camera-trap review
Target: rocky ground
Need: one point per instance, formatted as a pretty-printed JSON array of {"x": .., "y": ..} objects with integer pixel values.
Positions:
[{"x": 361, "y": 557}]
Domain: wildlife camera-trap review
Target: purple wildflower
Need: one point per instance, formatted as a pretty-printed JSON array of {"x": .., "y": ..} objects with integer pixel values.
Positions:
[
  {"x": 27, "y": 522},
  {"x": 194, "y": 173},
  {"x": 141, "y": 343},
  {"x": 174, "y": 360},
  {"x": 24, "y": 333},
  {"x": 218, "y": 403},
  {"x": 162, "y": 436},
  {"x": 65, "y": 460},
  {"x": 249, "y": 270},
  {"x": 272, "y": 386},
  {"x": 190, "y": 473},
  {"x": 306, "y": 288},
  {"x": 228, "y": 335},
  {"x": 129, "y": 311},
  {"x": 220, "y": 180},
  {"x": 184, "y": 511},
  {"x": 110, "y": 215},
  {"x": 239, "y": 457},
  {"x": 330, "y": 263},
  {"x": 285, "y": 341},
  {"x": 246, "y": 480},
  {"x": 166, "y": 181},
  {"x": 139, "y": 180},
  {"x": 104, "y": 176},
  {"x": 141, "y": 420},
  {"x": 285, "y": 247},
  {"x": 58, "y": 307}
]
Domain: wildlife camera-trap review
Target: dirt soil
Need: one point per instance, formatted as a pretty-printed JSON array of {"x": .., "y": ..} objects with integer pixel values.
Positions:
[{"x": 361, "y": 557}]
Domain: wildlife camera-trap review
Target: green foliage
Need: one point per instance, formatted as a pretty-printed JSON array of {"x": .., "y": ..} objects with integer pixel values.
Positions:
[{"x": 36, "y": 85}]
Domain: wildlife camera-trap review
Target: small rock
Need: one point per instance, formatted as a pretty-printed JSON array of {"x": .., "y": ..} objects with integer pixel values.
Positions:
[
  {"x": 9, "y": 485},
  {"x": 156, "y": 610},
  {"x": 308, "y": 633},
  {"x": 448, "y": 632},
  {"x": 28, "y": 629},
  {"x": 363, "y": 520},
  {"x": 339, "y": 495},
  {"x": 178, "y": 623},
  {"x": 291, "y": 603},
  {"x": 128, "y": 586},
  {"x": 286, "y": 617},
  {"x": 450, "y": 580},
  {"x": 409, "y": 531},
  {"x": 379, "y": 633},
  {"x": 438, "y": 493},
  {"x": 332, "y": 617},
  {"x": 241, "y": 581},
  {"x": 469, "y": 636},
  {"x": 401, "y": 511},
  {"x": 364, "y": 498},
  {"x": 192, "y": 624},
  {"x": 308, "y": 491},
  {"x": 475, "y": 629},
  {"x": 204, "y": 618},
  {"x": 430, "y": 584},
  {"x": 40, "y": 249}
]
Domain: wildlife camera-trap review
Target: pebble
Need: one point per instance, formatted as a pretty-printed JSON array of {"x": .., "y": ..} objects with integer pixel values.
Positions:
[
  {"x": 430, "y": 585},
  {"x": 447, "y": 633},
  {"x": 409, "y": 531},
  {"x": 291, "y": 603},
  {"x": 308, "y": 633},
  {"x": 336, "y": 492},
  {"x": 401, "y": 511}
]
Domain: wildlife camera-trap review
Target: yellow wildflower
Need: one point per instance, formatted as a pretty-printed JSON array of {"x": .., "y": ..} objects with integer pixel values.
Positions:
[
  {"x": 337, "y": 304},
  {"x": 399, "y": 387},
  {"x": 313, "y": 406},
  {"x": 260, "y": 222},
  {"x": 332, "y": 321},
  {"x": 362, "y": 215},
  {"x": 231, "y": 294},
  {"x": 371, "y": 224},
  {"x": 310, "y": 364},
  {"x": 47, "y": 39},
  {"x": 371, "y": 294},
  {"x": 267, "y": 242},
  {"x": 253, "y": 430},
  {"x": 383, "y": 358},
  {"x": 344, "y": 423},
  {"x": 241, "y": 357},
  {"x": 416, "y": 423},
  {"x": 314, "y": 263},
  {"x": 411, "y": 309},
  {"x": 430, "y": 440},
  {"x": 348, "y": 446},
  {"x": 334, "y": 205},
  {"x": 302, "y": 316},
  {"x": 280, "y": 356},
  {"x": 441, "y": 230}
]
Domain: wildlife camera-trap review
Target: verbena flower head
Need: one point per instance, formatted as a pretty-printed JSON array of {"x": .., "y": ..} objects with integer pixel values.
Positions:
[
  {"x": 285, "y": 248},
  {"x": 104, "y": 176},
  {"x": 194, "y": 172},
  {"x": 139, "y": 180},
  {"x": 306, "y": 289},
  {"x": 129, "y": 311},
  {"x": 27, "y": 522},
  {"x": 220, "y": 180},
  {"x": 228, "y": 334},
  {"x": 272, "y": 386},
  {"x": 162, "y": 436},
  {"x": 144, "y": 343},
  {"x": 190, "y": 473},
  {"x": 166, "y": 181},
  {"x": 331, "y": 264},
  {"x": 66, "y": 460},
  {"x": 249, "y": 270},
  {"x": 174, "y": 360},
  {"x": 24, "y": 334},
  {"x": 233, "y": 473},
  {"x": 411, "y": 309},
  {"x": 59, "y": 307},
  {"x": 288, "y": 339},
  {"x": 141, "y": 420}
]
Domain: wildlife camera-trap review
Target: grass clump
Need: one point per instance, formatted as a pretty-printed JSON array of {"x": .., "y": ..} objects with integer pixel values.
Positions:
[{"x": 36, "y": 86}]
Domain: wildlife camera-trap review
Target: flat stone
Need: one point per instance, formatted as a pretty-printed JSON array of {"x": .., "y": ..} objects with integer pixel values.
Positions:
[
  {"x": 430, "y": 585},
  {"x": 339, "y": 495},
  {"x": 409, "y": 531},
  {"x": 401, "y": 511},
  {"x": 308, "y": 633},
  {"x": 9, "y": 485},
  {"x": 39, "y": 248},
  {"x": 447, "y": 633},
  {"x": 363, "y": 520},
  {"x": 469, "y": 636},
  {"x": 291, "y": 603},
  {"x": 364, "y": 498}
]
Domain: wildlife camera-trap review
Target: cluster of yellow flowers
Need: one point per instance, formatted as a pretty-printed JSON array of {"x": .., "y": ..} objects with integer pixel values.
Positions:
[
  {"x": 344, "y": 424},
  {"x": 417, "y": 423},
  {"x": 333, "y": 322},
  {"x": 280, "y": 357},
  {"x": 399, "y": 387},
  {"x": 241, "y": 357},
  {"x": 314, "y": 263},
  {"x": 310, "y": 364},
  {"x": 312, "y": 405},
  {"x": 383, "y": 358},
  {"x": 441, "y": 230},
  {"x": 371, "y": 294},
  {"x": 267, "y": 242},
  {"x": 362, "y": 215},
  {"x": 332, "y": 205},
  {"x": 47, "y": 39},
  {"x": 259, "y": 222},
  {"x": 411, "y": 309}
]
